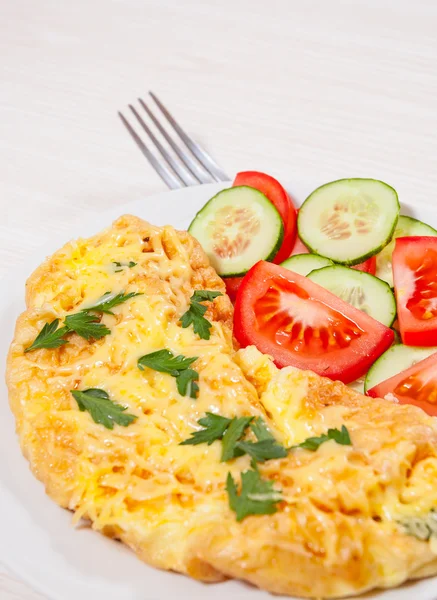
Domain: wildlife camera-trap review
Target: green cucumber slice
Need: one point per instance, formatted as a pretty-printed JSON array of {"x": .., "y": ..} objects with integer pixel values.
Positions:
[
  {"x": 406, "y": 226},
  {"x": 362, "y": 290},
  {"x": 397, "y": 338},
  {"x": 237, "y": 228},
  {"x": 305, "y": 263},
  {"x": 357, "y": 385},
  {"x": 349, "y": 220},
  {"x": 396, "y": 359}
]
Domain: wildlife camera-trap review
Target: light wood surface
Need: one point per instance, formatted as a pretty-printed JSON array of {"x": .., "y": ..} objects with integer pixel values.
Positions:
[{"x": 298, "y": 88}]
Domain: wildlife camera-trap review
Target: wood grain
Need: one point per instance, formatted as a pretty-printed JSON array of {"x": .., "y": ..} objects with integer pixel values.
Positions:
[{"x": 301, "y": 89}]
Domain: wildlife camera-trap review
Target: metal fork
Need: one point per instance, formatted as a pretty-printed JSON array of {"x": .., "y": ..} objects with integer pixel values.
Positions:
[{"x": 187, "y": 165}]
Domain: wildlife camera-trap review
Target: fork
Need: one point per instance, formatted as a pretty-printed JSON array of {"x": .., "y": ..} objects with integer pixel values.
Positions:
[{"x": 187, "y": 165}]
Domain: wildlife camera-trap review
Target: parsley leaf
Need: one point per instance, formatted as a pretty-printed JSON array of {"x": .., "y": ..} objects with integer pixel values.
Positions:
[
  {"x": 49, "y": 337},
  {"x": 340, "y": 436},
  {"x": 262, "y": 450},
  {"x": 260, "y": 430},
  {"x": 423, "y": 527},
  {"x": 108, "y": 301},
  {"x": 201, "y": 326},
  {"x": 257, "y": 496},
  {"x": 82, "y": 323},
  {"x": 87, "y": 326},
  {"x": 101, "y": 408},
  {"x": 214, "y": 429},
  {"x": 194, "y": 315},
  {"x": 312, "y": 443},
  {"x": 165, "y": 361},
  {"x": 186, "y": 383},
  {"x": 120, "y": 266},
  {"x": 203, "y": 295},
  {"x": 233, "y": 433}
]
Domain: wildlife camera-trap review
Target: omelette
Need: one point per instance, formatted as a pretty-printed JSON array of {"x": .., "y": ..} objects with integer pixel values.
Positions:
[{"x": 338, "y": 518}]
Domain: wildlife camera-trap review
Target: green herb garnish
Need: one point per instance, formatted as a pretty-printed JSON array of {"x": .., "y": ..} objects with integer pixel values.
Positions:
[
  {"x": 262, "y": 450},
  {"x": 120, "y": 266},
  {"x": 422, "y": 528},
  {"x": 165, "y": 361},
  {"x": 87, "y": 326},
  {"x": 257, "y": 496},
  {"x": 49, "y": 337},
  {"x": 260, "y": 430},
  {"x": 194, "y": 314},
  {"x": 233, "y": 433},
  {"x": 214, "y": 427},
  {"x": 82, "y": 323},
  {"x": 186, "y": 383},
  {"x": 340, "y": 436},
  {"x": 102, "y": 409},
  {"x": 108, "y": 301}
]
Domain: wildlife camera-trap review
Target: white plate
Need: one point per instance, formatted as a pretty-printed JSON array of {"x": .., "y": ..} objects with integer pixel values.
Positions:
[{"x": 37, "y": 541}]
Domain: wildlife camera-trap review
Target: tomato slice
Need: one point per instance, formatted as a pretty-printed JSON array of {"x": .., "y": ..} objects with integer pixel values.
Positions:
[
  {"x": 277, "y": 195},
  {"x": 232, "y": 285},
  {"x": 368, "y": 266},
  {"x": 299, "y": 247},
  {"x": 301, "y": 324},
  {"x": 415, "y": 280},
  {"x": 417, "y": 385}
]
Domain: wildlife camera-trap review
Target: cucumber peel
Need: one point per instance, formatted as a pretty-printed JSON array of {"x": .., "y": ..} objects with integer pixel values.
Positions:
[
  {"x": 396, "y": 359},
  {"x": 349, "y": 220},
  {"x": 362, "y": 290},
  {"x": 305, "y": 263},
  {"x": 238, "y": 227}
]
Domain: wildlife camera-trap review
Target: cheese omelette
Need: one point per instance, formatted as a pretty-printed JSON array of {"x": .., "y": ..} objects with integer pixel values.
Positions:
[{"x": 341, "y": 526}]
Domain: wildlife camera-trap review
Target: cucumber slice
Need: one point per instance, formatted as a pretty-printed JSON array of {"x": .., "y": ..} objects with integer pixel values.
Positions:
[
  {"x": 396, "y": 359},
  {"x": 362, "y": 290},
  {"x": 406, "y": 226},
  {"x": 357, "y": 385},
  {"x": 237, "y": 228},
  {"x": 349, "y": 220},
  {"x": 305, "y": 263},
  {"x": 397, "y": 338}
]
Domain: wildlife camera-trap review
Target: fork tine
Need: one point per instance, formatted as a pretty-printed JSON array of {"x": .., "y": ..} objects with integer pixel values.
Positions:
[
  {"x": 184, "y": 175},
  {"x": 166, "y": 175},
  {"x": 202, "y": 156},
  {"x": 198, "y": 173}
]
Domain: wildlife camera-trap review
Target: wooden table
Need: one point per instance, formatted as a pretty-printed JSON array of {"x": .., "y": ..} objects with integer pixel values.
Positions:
[{"x": 295, "y": 88}]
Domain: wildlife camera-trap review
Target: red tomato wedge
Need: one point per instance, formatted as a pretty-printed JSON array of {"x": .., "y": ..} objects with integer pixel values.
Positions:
[
  {"x": 415, "y": 280},
  {"x": 417, "y": 385},
  {"x": 299, "y": 247},
  {"x": 301, "y": 324},
  {"x": 368, "y": 266},
  {"x": 232, "y": 285},
  {"x": 277, "y": 195}
]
